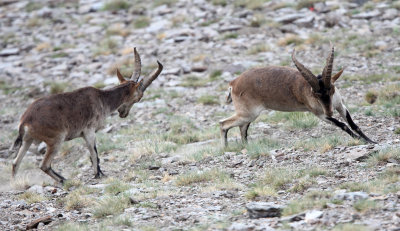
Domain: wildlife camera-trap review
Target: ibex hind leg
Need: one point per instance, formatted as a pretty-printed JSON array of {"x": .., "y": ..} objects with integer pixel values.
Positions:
[
  {"x": 26, "y": 143},
  {"x": 90, "y": 138},
  {"x": 45, "y": 166},
  {"x": 243, "y": 132},
  {"x": 233, "y": 121}
]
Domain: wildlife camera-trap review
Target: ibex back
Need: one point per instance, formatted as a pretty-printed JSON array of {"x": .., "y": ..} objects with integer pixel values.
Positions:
[
  {"x": 62, "y": 117},
  {"x": 286, "y": 89}
]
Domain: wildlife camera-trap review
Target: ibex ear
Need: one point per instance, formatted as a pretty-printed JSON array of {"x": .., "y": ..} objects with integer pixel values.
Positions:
[
  {"x": 140, "y": 84},
  {"x": 335, "y": 77},
  {"x": 120, "y": 77}
]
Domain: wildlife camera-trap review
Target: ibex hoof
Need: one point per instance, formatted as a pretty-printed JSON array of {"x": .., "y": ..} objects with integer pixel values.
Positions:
[{"x": 99, "y": 175}]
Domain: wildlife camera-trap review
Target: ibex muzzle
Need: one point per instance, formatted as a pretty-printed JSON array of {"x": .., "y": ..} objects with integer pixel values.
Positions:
[
  {"x": 57, "y": 118},
  {"x": 287, "y": 89}
]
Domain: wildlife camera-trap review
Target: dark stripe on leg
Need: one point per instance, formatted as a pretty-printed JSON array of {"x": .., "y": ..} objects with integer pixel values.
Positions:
[
  {"x": 343, "y": 126},
  {"x": 356, "y": 128},
  {"x": 99, "y": 172}
]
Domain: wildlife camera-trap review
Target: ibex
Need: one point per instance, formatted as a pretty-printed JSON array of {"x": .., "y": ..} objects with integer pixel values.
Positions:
[
  {"x": 286, "y": 89},
  {"x": 61, "y": 117}
]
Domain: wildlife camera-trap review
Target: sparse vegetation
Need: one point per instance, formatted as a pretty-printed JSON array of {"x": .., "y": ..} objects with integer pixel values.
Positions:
[
  {"x": 326, "y": 143},
  {"x": 115, "y": 5},
  {"x": 384, "y": 156},
  {"x": 298, "y": 120},
  {"x": 110, "y": 205},
  {"x": 258, "y": 49},
  {"x": 250, "y": 4},
  {"x": 58, "y": 87},
  {"x": 307, "y": 3},
  {"x": 364, "y": 206},
  {"x": 351, "y": 227},
  {"x": 313, "y": 199},
  {"x": 116, "y": 186},
  {"x": 290, "y": 39},
  {"x": 194, "y": 81},
  {"x": 231, "y": 35},
  {"x": 276, "y": 179},
  {"x": 32, "y": 197},
  {"x": 142, "y": 22},
  {"x": 192, "y": 177},
  {"x": 106, "y": 47},
  {"x": 208, "y": 100}
]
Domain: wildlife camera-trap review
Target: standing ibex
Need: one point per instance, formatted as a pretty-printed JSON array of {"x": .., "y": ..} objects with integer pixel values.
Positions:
[
  {"x": 62, "y": 117},
  {"x": 286, "y": 89}
]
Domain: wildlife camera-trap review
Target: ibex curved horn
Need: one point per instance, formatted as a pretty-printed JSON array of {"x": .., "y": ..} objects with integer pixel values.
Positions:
[
  {"x": 147, "y": 81},
  {"x": 138, "y": 66},
  {"x": 327, "y": 72},
  {"x": 307, "y": 74}
]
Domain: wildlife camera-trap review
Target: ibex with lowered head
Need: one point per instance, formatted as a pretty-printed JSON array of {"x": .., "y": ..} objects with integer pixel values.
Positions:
[
  {"x": 61, "y": 117},
  {"x": 287, "y": 89}
]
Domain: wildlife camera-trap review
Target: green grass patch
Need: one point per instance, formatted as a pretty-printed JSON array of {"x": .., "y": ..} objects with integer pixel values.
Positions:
[
  {"x": 386, "y": 182},
  {"x": 261, "y": 147},
  {"x": 193, "y": 177},
  {"x": 297, "y": 120},
  {"x": 182, "y": 130},
  {"x": 371, "y": 78},
  {"x": 351, "y": 227},
  {"x": 384, "y": 156},
  {"x": 364, "y": 206},
  {"x": 258, "y": 48},
  {"x": 194, "y": 81},
  {"x": 208, "y": 100},
  {"x": 231, "y": 35},
  {"x": 116, "y": 186},
  {"x": 110, "y": 205},
  {"x": 307, "y": 3},
  {"x": 326, "y": 143},
  {"x": 275, "y": 179},
  {"x": 141, "y": 22},
  {"x": 250, "y": 4},
  {"x": 72, "y": 226},
  {"x": 115, "y": 5},
  {"x": 312, "y": 200}
]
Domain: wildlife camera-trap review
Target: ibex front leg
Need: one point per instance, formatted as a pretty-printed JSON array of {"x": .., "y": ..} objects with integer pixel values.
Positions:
[
  {"x": 345, "y": 114},
  {"x": 339, "y": 124},
  {"x": 90, "y": 138}
]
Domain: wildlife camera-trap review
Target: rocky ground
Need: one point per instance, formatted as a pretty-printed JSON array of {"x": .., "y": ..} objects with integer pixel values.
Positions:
[{"x": 165, "y": 167}]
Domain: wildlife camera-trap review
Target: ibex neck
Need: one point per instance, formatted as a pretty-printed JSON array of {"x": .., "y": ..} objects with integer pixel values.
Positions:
[{"x": 114, "y": 97}]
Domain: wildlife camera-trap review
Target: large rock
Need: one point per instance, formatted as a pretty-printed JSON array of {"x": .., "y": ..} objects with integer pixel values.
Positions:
[
  {"x": 367, "y": 15},
  {"x": 350, "y": 196},
  {"x": 288, "y": 18},
  {"x": 263, "y": 209}
]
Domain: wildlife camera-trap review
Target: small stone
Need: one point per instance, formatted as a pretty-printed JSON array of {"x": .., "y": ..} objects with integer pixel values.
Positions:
[
  {"x": 367, "y": 15},
  {"x": 9, "y": 52},
  {"x": 36, "y": 189},
  {"x": 313, "y": 215},
  {"x": 241, "y": 227},
  {"x": 41, "y": 148},
  {"x": 199, "y": 68},
  {"x": 230, "y": 28},
  {"x": 263, "y": 209}
]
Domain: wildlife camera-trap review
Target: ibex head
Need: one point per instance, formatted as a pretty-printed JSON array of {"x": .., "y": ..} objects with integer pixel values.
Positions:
[
  {"x": 322, "y": 86},
  {"x": 137, "y": 87}
]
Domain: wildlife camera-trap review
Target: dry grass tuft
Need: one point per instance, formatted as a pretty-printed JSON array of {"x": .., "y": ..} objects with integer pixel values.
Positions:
[
  {"x": 290, "y": 39},
  {"x": 31, "y": 197}
]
